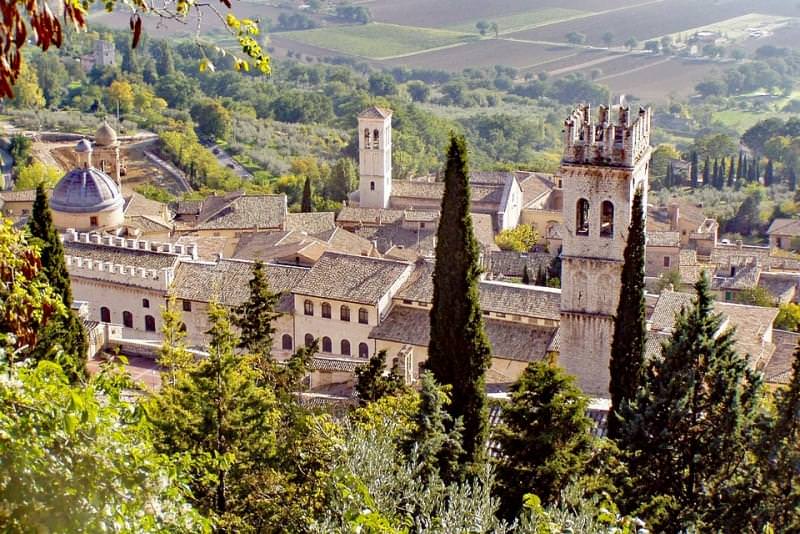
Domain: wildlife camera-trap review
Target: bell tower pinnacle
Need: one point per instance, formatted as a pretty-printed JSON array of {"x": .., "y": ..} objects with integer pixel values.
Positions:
[{"x": 375, "y": 157}]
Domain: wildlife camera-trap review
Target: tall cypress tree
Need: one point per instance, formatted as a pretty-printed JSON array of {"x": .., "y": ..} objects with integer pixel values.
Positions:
[
  {"x": 707, "y": 172},
  {"x": 65, "y": 332},
  {"x": 693, "y": 170},
  {"x": 731, "y": 173},
  {"x": 255, "y": 316},
  {"x": 715, "y": 175},
  {"x": 768, "y": 174},
  {"x": 684, "y": 434},
  {"x": 526, "y": 275},
  {"x": 792, "y": 179},
  {"x": 305, "y": 206},
  {"x": 740, "y": 167},
  {"x": 459, "y": 352},
  {"x": 627, "y": 348}
]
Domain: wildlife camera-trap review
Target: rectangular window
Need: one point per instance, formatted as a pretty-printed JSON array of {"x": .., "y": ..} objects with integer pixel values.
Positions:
[
  {"x": 92, "y": 221},
  {"x": 187, "y": 305},
  {"x": 729, "y": 295},
  {"x": 666, "y": 261}
]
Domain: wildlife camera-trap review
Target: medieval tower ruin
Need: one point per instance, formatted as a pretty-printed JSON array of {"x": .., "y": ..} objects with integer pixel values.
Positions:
[{"x": 603, "y": 164}]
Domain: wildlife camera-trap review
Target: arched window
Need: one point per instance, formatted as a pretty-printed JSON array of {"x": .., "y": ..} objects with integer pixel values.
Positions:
[
  {"x": 182, "y": 327},
  {"x": 607, "y": 219},
  {"x": 326, "y": 310},
  {"x": 327, "y": 346},
  {"x": 363, "y": 316},
  {"x": 345, "y": 347},
  {"x": 308, "y": 307},
  {"x": 372, "y": 186},
  {"x": 366, "y": 138},
  {"x": 363, "y": 350},
  {"x": 344, "y": 313},
  {"x": 582, "y": 217},
  {"x": 105, "y": 315},
  {"x": 127, "y": 319},
  {"x": 375, "y": 136},
  {"x": 309, "y": 339},
  {"x": 149, "y": 323},
  {"x": 286, "y": 342},
  {"x": 145, "y": 303}
]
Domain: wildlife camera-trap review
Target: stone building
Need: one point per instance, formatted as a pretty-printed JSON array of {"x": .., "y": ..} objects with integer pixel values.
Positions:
[{"x": 604, "y": 163}]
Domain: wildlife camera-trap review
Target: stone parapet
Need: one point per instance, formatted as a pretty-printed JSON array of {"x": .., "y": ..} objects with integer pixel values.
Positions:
[{"x": 611, "y": 141}]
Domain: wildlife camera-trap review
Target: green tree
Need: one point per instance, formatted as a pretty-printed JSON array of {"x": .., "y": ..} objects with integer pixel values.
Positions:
[
  {"x": 693, "y": 170},
  {"x": 53, "y": 78},
  {"x": 20, "y": 150},
  {"x": 519, "y": 239},
  {"x": 482, "y": 26},
  {"x": 747, "y": 219},
  {"x": 212, "y": 118},
  {"x": 686, "y": 432},
  {"x": 627, "y": 347},
  {"x": 30, "y": 176},
  {"x": 173, "y": 354},
  {"x": 788, "y": 317},
  {"x": 526, "y": 275},
  {"x": 305, "y": 205},
  {"x": 669, "y": 279},
  {"x": 755, "y": 296},
  {"x": 459, "y": 352},
  {"x": 544, "y": 437},
  {"x": 217, "y": 413},
  {"x": 342, "y": 180},
  {"x": 608, "y": 38},
  {"x": 255, "y": 318},
  {"x": 66, "y": 332},
  {"x": 707, "y": 172},
  {"x": 372, "y": 383}
]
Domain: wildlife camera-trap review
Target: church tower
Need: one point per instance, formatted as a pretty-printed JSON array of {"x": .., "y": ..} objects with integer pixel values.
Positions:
[
  {"x": 375, "y": 157},
  {"x": 603, "y": 164}
]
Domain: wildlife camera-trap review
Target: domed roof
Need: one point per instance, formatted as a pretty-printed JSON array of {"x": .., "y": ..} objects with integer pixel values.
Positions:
[
  {"x": 83, "y": 146},
  {"x": 86, "y": 190},
  {"x": 105, "y": 135}
]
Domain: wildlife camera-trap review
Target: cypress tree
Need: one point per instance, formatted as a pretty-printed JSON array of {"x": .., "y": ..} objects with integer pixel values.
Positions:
[
  {"x": 740, "y": 167},
  {"x": 65, "y": 332},
  {"x": 255, "y": 318},
  {"x": 685, "y": 432},
  {"x": 526, "y": 276},
  {"x": 715, "y": 175},
  {"x": 731, "y": 171},
  {"x": 693, "y": 170},
  {"x": 459, "y": 352},
  {"x": 768, "y": 174},
  {"x": 707, "y": 172},
  {"x": 627, "y": 347},
  {"x": 669, "y": 181},
  {"x": 305, "y": 206},
  {"x": 792, "y": 179}
]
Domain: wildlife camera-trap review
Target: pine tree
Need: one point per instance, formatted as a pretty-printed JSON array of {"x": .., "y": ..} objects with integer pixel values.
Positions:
[
  {"x": 694, "y": 168},
  {"x": 544, "y": 437},
  {"x": 256, "y": 315},
  {"x": 627, "y": 347},
  {"x": 65, "y": 332},
  {"x": 306, "y": 206},
  {"x": 684, "y": 432},
  {"x": 707, "y": 172},
  {"x": 173, "y": 355},
  {"x": 731, "y": 173},
  {"x": 768, "y": 174},
  {"x": 526, "y": 276},
  {"x": 372, "y": 384},
  {"x": 459, "y": 352}
]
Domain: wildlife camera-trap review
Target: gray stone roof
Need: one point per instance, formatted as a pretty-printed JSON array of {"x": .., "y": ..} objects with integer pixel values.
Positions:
[
  {"x": 121, "y": 255},
  {"x": 368, "y": 215},
  {"x": 488, "y": 188},
  {"x": 227, "y": 282},
  {"x": 137, "y": 204},
  {"x": 417, "y": 189},
  {"x": 782, "y": 286},
  {"x": 351, "y": 278},
  {"x": 375, "y": 112},
  {"x": 311, "y": 223},
  {"x": 147, "y": 224},
  {"x": 510, "y": 263},
  {"x": 247, "y": 212},
  {"x": 511, "y": 341},
  {"x": 26, "y": 195},
  {"x": 498, "y": 297},
  {"x": 421, "y": 215},
  {"x": 779, "y": 368},
  {"x": 188, "y": 207},
  {"x": 790, "y": 227},
  {"x": 86, "y": 190},
  {"x": 663, "y": 239}
]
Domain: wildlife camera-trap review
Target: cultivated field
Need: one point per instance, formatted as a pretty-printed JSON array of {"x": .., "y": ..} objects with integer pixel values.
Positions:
[{"x": 524, "y": 20}]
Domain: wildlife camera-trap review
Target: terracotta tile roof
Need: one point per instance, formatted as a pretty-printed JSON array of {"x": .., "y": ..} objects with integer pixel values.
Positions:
[
  {"x": 511, "y": 341},
  {"x": 790, "y": 227},
  {"x": 337, "y": 364},
  {"x": 188, "y": 207},
  {"x": 311, "y": 223},
  {"x": 120, "y": 255},
  {"x": 246, "y": 212},
  {"x": 779, "y": 368},
  {"x": 375, "y": 112},
  {"x": 227, "y": 282},
  {"x": 351, "y": 278},
  {"x": 340, "y": 240},
  {"x": 265, "y": 245},
  {"x": 391, "y": 235},
  {"x": 663, "y": 239}
]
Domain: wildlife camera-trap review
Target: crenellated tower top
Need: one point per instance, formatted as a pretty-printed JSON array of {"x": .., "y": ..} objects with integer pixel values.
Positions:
[{"x": 620, "y": 141}]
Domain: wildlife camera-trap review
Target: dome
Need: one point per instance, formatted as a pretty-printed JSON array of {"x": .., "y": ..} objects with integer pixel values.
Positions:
[
  {"x": 86, "y": 190},
  {"x": 105, "y": 135},
  {"x": 83, "y": 146}
]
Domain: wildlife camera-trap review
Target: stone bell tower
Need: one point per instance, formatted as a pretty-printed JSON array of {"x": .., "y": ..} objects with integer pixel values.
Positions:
[
  {"x": 375, "y": 157},
  {"x": 603, "y": 164}
]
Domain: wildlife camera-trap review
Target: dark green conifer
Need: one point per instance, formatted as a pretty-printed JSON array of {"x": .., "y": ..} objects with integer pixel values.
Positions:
[
  {"x": 768, "y": 174},
  {"x": 627, "y": 347},
  {"x": 731, "y": 173},
  {"x": 792, "y": 179},
  {"x": 255, "y": 318},
  {"x": 306, "y": 206},
  {"x": 685, "y": 431},
  {"x": 371, "y": 382},
  {"x": 65, "y": 333},
  {"x": 740, "y": 167},
  {"x": 694, "y": 169},
  {"x": 459, "y": 352},
  {"x": 526, "y": 276},
  {"x": 707, "y": 172}
]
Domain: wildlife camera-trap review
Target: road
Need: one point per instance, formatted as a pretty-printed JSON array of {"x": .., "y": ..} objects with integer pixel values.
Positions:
[
  {"x": 227, "y": 160},
  {"x": 5, "y": 169}
]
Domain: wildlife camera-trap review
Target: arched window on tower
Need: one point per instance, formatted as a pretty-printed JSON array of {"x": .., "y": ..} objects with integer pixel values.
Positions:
[
  {"x": 344, "y": 313},
  {"x": 582, "y": 217},
  {"x": 607, "y": 219},
  {"x": 366, "y": 138},
  {"x": 327, "y": 346},
  {"x": 375, "y": 139}
]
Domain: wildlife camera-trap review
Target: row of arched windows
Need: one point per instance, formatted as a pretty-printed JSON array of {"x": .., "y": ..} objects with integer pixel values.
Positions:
[
  {"x": 606, "y": 218},
  {"x": 327, "y": 345},
  {"x": 344, "y": 312},
  {"x": 373, "y": 142},
  {"x": 127, "y": 319}
]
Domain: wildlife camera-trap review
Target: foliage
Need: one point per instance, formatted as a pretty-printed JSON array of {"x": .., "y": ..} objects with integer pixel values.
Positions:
[
  {"x": 755, "y": 296},
  {"x": 78, "y": 459},
  {"x": 630, "y": 323},
  {"x": 671, "y": 278},
  {"x": 20, "y": 149},
  {"x": 371, "y": 382},
  {"x": 153, "y": 192},
  {"x": 255, "y": 318},
  {"x": 519, "y": 239},
  {"x": 30, "y": 176},
  {"x": 788, "y": 317},
  {"x": 747, "y": 220},
  {"x": 212, "y": 118},
  {"x": 201, "y": 167},
  {"x": 701, "y": 395},
  {"x": 544, "y": 437},
  {"x": 173, "y": 355},
  {"x": 305, "y": 203},
  {"x": 459, "y": 352}
]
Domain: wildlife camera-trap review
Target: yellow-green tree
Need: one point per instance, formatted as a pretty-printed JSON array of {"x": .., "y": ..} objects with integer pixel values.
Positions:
[
  {"x": 519, "y": 239},
  {"x": 28, "y": 93},
  {"x": 30, "y": 176}
]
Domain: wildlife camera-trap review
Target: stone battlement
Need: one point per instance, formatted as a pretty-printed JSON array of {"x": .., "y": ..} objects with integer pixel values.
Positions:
[
  {"x": 94, "y": 238},
  {"x": 621, "y": 141},
  {"x": 159, "y": 279}
]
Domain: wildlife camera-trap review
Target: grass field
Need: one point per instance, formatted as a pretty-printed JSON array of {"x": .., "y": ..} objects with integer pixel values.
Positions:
[
  {"x": 378, "y": 40},
  {"x": 523, "y": 21},
  {"x": 740, "y": 27},
  {"x": 742, "y": 120}
]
